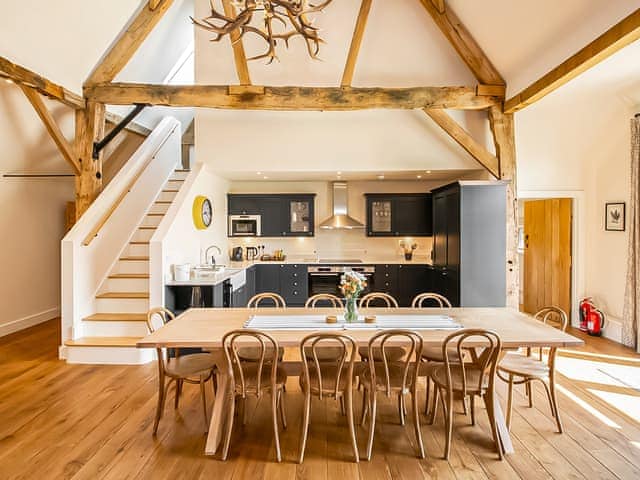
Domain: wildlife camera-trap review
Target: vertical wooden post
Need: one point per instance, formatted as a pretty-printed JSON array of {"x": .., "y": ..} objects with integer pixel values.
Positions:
[
  {"x": 502, "y": 127},
  {"x": 89, "y": 128}
]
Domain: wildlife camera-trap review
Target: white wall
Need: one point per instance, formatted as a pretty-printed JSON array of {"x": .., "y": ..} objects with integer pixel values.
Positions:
[{"x": 577, "y": 139}]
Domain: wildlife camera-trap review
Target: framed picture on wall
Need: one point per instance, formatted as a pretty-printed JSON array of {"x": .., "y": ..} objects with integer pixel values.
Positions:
[{"x": 614, "y": 214}]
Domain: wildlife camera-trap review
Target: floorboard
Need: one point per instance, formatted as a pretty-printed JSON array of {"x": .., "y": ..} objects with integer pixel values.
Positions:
[{"x": 94, "y": 422}]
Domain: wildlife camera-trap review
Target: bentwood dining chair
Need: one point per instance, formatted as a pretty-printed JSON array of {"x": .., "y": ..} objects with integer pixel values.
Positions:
[
  {"x": 327, "y": 299},
  {"x": 252, "y": 354},
  {"x": 255, "y": 378},
  {"x": 518, "y": 369},
  {"x": 378, "y": 297},
  {"x": 327, "y": 379},
  {"x": 439, "y": 300},
  {"x": 196, "y": 368},
  {"x": 468, "y": 378},
  {"x": 270, "y": 298},
  {"x": 397, "y": 377}
]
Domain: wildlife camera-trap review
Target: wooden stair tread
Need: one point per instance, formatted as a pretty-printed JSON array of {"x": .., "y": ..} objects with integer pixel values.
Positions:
[
  {"x": 116, "y": 317},
  {"x": 181, "y": 170},
  {"x": 131, "y": 258},
  {"x": 172, "y": 190},
  {"x": 139, "y": 242},
  {"x": 123, "y": 295},
  {"x": 129, "y": 275},
  {"x": 163, "y": 202},
  {"x": 103, "y": 342},
  {"x": 156, "y": 214},
  {"x": 147, "y": 227}
]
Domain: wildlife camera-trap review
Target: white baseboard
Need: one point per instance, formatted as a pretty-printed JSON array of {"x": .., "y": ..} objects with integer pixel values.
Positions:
[
  {"x": 613, "y": 329},
  {"x": 30, "y": 321}
]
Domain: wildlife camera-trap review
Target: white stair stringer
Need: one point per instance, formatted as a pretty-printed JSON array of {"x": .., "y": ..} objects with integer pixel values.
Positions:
[{"x": 109, "y": 335}]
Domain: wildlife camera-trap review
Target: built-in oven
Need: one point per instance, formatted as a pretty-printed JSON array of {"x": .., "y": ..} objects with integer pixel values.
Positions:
[
  {"x": 244, "y": 225},
  {"x": 326, "y": 278}
]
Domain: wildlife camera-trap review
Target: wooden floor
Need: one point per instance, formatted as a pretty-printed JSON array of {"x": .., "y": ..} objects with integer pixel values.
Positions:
[{"x": 81, "y": 421}]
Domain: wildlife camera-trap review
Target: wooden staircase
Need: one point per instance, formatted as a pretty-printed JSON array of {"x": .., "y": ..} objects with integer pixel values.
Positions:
[{"x": 111, "y": 333}]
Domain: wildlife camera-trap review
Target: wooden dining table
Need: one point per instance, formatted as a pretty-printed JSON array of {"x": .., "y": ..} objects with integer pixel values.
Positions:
[{"x": 205, "y": 327}]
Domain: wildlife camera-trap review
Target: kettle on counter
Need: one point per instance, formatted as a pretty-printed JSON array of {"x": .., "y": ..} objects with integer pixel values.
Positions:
[{"x": 236, "y": 254}]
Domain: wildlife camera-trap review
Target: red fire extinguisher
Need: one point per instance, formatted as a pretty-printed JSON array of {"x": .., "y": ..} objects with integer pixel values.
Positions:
[
  {"x": 586, "y": 305},
  {"x": 595, "y": 322}
]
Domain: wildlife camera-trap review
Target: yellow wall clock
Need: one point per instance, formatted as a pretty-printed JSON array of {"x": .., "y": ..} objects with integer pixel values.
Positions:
[{"x": 202, "y": 212}]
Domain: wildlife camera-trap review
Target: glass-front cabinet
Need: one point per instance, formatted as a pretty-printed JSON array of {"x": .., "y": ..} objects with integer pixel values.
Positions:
[{"x": 300, "y": 216}]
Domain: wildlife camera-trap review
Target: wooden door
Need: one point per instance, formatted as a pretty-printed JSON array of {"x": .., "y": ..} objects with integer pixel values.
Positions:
[{"x": 547, "y": 255}]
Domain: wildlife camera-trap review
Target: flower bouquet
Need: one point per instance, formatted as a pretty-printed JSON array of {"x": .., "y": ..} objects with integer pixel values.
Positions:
[{"x": 352, "y": 284}]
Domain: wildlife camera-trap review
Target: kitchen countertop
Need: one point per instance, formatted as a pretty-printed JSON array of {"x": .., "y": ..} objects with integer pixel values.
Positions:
[{"x": 236, "y": 268}]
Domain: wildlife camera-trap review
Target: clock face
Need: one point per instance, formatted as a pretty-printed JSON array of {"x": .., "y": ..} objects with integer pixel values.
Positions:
[{"x": 207, "y": 212}]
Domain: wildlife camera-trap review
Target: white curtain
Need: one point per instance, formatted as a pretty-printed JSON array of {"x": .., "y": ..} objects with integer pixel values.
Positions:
[{"x": 631, "y": 314}]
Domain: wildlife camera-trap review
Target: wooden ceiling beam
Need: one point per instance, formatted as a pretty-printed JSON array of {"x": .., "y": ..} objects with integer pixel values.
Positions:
[
  {"x": 239, "y": 55},
  {"x": 25, "y": 77},
  {"x": 128, "y": 42},
  {"x": 461, "y": 136},
  {"x": 290, "y": 98},
  {"x": 617, "y": 37},
  {"x": 463, "y": 43},
  {"x": 52, "y": 127},
  {"x": 356, "y": 41}
]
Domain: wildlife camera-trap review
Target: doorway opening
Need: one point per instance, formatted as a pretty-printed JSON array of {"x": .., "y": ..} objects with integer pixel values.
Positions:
[{"x": 546, "y": 238}]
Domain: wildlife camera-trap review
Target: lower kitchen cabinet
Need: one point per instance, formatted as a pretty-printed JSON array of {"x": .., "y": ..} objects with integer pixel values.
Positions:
[
  {"x": 288, "y": 280},
  {"x": 412, "y": 280},
  {"x": 267, "y": 278}
]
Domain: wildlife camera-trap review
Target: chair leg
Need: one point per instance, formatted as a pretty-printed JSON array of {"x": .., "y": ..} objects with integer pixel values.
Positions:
[
  {"x": 274, "y": 416},
  {"x": 283, "y": 415},
  {"x": 178, "y": 393},
  {"x": 509, "y": 401},
  {"x": 162, "y": 392},
  {"x": 553, "y": 401},
  {"x": 434, "y": 407},
  {"x": 305, "y": 424},
  {"x": 427, "y": 394},
  {"x": 350, "y": 421},
  {"x": 416, "y": 422},
  {"x": 465, "y": 411},
  {"x": 529, "y": 395},
  {"x": 204, "y": 403},
  {"x": 365, "y": 406},
  {"x": 490, "y": 405},
  {"x": 214, "y": 381},
  {"x": 472, "y": 401},
  {"x": 342, "y": 407},
  {"x": 227, "y": 440},
  {"x": 449, "y": 424},
  {"x": 245, "y": 411},
  {"x": 372, "y": 423},
  {"x": 401, "y": 408}
]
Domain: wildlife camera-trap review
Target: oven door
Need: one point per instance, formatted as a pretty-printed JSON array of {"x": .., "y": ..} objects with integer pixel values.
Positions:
[
  {"x": 324, "y": 282},
  {"x": 244, "y": 225}
]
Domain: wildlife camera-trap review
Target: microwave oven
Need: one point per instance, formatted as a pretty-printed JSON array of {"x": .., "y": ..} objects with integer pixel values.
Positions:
[{"x": 244, "y": 226}]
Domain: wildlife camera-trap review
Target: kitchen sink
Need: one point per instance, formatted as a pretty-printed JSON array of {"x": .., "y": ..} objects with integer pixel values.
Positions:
[{"x": 208, "y": 271}]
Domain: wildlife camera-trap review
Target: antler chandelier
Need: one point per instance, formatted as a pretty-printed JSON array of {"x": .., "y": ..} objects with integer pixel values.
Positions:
[{"x": 272, "y": 20}]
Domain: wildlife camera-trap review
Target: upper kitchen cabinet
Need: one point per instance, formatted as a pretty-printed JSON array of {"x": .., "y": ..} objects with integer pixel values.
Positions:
[
  {"x": 281, "y": 215},
  {"x": 469, "y": 243},
  {"x": 399, "y": 214}
]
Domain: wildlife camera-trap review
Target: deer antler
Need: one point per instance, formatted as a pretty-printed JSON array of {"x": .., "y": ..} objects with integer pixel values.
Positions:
[{"x": 293, "y": 11}]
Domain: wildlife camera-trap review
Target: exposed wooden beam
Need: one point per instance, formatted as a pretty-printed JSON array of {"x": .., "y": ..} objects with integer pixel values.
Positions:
[
  {"x": 291, "y": 98},
  {"x": 153, "y": 4},
  {"x": 239, "y": 56},
  {"x": 439, "y": 4},
  {"x": 128, "y": 41},
  {"x": 466, "y": 141},
  {"x": 26, "y": 77},
  {"x": 52, "y": 127},
  {"x": 356, "y": 41},
  {"x": 617, "y": 37},
  {"x": 89, "y": 128},
  {"x": 464, "y": 43},
  {"x": 503, "y": 130}
]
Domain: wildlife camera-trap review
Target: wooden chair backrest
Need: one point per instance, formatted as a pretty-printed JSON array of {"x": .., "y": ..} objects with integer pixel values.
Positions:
[
  {"x": 385, "y": 297},
  {"x": 256, "y": 300},
  {"x": 164, "y": 315},
  {"x": 335, "y": 301},
  {"x": 411, "y": 342},
  {"x": 440, "y": 300},
  {"x": 268, "y": 358},
  {"x": 486, "y": 362},
  {"x": 347, "y": 356},
  {"x": 553, "y": 315}
]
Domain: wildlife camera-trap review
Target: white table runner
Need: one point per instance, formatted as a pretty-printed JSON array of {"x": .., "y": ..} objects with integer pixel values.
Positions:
[{"x": 318, "y": 322}]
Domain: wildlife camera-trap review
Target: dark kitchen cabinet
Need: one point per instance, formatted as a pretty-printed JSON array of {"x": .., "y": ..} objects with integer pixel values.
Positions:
[
  {"x": 294, "y": 285},
  {"x": 385, "y": 279},
  {"x": 469, "y": 243},
  {"x": 399, "y": 214},
  {"x": 412, "y": 280},
  {"x": 282, "y": 215},
  {"x": 267, "y": 278}
]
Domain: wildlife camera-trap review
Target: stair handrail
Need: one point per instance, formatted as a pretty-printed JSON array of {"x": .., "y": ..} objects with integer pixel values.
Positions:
[{"x": 127, "y": 189}]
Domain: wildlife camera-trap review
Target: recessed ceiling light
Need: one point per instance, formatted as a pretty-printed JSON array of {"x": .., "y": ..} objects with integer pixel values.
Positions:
[
  {"x": 418, "y": 176},
  {"x": 258, "y": 173},
  {"x": 339, "y": 173},
  {"x": 428, "y": 171},
  {"x": 265, "y": 177},
  {"x": 380, "y": 177}
]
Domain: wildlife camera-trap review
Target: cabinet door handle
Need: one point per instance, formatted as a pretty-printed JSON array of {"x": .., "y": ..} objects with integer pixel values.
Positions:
[
  {"x": 295, "y": 284},
  {"x": 295, "y": 274}
]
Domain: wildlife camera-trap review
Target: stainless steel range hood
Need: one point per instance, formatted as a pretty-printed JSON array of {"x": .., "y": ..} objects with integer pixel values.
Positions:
[{"x": 340, "y": 218}]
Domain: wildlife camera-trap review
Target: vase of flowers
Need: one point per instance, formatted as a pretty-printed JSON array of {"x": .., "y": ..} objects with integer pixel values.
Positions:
[{"x": 352, "y": 284}]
